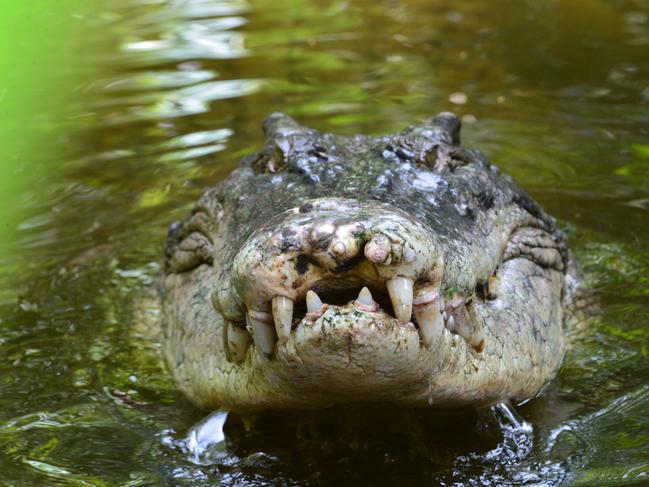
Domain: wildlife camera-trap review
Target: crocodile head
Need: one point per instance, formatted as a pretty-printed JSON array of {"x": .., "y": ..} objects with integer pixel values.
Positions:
[{"x": 327, "y": 269}]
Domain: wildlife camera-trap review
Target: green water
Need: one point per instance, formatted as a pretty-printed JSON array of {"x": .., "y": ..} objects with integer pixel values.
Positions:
[{"x": 167, "y": 96}]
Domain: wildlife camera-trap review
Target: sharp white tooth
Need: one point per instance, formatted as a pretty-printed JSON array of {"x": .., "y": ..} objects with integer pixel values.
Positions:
[
  {"x": 313, "y": 302},
  {"x": 263, "y": 335},
  {"x": 409, "y": 255},
  {"x": 450, "y": 323},
  {"x": 400, "y": 291},
  {"x": 430, "y": 321},
  {"x": 472, "y": 336},
  {"x": 237, "y": 342},
  {"x": 365, "y": 297},
  {"x": 365, "y": 302},
  {"x": 283, "y": 317}
]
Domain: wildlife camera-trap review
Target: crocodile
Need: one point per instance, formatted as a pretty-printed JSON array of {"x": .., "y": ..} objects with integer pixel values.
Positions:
[{"x": 331, "y": 269}]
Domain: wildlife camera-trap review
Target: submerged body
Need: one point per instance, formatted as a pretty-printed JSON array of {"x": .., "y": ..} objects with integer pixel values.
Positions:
[{"x": 331, "y": 269}]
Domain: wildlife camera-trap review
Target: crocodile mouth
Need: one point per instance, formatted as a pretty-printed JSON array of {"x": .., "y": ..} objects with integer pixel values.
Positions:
[
  {"x": 358, "y": 263},
  {"x": 375, "y": 303},
  {"x": 369, "y": 298}
]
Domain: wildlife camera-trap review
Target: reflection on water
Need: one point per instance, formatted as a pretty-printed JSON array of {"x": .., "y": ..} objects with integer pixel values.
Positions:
[
  {"x": 556, "y": 93},
  {"x": 625, "y": 452}
]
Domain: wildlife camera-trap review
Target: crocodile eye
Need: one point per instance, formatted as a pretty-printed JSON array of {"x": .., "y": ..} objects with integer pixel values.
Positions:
[{"x": 271, "y": 160}]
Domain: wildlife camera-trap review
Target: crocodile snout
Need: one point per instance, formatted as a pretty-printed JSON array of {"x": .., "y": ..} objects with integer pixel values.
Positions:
[{"x": 367, "y": 259}]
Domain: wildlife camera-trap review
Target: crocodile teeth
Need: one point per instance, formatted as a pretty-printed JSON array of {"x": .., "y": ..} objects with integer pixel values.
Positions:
[
  {"x": 263, "y": 335},
  {"x": 428, "y": 313},
  {"x": 237, "y": 342},
  {"x": 400, "y": 291},
  {"x": 313, "y": 302},
  {"x": 472, "y": 335},
  {"x": 409, "y": 255},
  {"x": 429, "y": 319},
  {"x": 283, "y": 317},
  {"x": 450, "y": 323},
  {"x": 365, "y": 301}
]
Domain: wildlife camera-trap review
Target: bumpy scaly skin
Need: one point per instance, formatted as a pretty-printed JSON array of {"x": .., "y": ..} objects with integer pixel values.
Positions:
[{"x": 414, "y": 211}]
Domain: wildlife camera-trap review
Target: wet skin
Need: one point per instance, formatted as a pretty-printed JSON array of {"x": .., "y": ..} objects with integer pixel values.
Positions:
[{"x": 330, "y": 269}]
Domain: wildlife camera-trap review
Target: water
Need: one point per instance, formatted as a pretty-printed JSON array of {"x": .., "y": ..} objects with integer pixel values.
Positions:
[{"x": 557, "y": 93}]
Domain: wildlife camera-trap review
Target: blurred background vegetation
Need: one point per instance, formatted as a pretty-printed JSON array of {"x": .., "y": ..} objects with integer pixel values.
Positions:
[{"x": 41, "y": 48}]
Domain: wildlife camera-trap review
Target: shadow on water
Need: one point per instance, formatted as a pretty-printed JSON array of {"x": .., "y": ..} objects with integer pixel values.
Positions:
[
  {"x": 555, "y": 92},
  {"x": 366, "y": 445}
]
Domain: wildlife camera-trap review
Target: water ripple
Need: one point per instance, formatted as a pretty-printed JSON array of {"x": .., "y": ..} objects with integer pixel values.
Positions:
[
  {"x": 152, "y": 80},
  {"x": 186, "y": 101}
]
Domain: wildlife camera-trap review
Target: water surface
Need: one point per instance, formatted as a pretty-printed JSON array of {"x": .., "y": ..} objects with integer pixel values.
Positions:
[{"x": 556, "y": 93}]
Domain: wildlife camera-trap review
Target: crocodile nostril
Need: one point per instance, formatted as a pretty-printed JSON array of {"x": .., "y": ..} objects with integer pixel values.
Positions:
[
  {"x": 302, "y": 264},
  {"x": 344, "y": 249}
]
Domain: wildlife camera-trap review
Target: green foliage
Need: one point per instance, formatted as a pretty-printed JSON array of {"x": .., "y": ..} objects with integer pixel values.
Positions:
[
  {"x": 39, "y": 59},
  {"x": 637, "y": 171}
]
